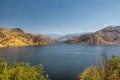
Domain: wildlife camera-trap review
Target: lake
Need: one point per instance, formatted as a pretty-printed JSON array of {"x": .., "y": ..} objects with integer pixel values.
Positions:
[{"x": 61, "y": 61}]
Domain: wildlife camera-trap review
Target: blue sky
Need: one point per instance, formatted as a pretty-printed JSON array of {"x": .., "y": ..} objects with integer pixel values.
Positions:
[{"x": 59, "y": 16}]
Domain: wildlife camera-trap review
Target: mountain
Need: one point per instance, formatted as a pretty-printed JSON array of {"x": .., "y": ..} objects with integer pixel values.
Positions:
[
  {"x": 17, "y": 37},
  {"x": 107, "y": 36},
  {"x": 53, "y": 36},
  {"x": 68, "y": 36}
]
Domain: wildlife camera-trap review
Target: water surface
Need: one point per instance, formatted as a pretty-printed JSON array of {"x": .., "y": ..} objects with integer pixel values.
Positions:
[{"x": 61, "y": 61}]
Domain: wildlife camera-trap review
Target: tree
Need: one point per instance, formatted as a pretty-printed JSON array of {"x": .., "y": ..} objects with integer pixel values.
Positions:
[{"x": 21, "y": 71}]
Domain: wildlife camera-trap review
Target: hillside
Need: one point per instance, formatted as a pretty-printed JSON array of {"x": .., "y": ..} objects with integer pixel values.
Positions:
[
  {"x": 106, "y": 36},
  {"x": 17, "y": 37}
]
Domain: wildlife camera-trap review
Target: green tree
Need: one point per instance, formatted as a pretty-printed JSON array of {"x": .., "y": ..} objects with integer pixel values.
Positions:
[{"x": 21, "y": 71}]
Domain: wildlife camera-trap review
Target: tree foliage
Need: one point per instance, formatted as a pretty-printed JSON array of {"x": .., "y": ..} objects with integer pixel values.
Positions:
[
  {"x": 21, "y": 71},
  {"x": 109, "y": 71}
]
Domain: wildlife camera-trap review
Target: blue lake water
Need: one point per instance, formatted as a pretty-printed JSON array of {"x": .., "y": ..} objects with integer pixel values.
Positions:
[{"x": 61, "y": 61}]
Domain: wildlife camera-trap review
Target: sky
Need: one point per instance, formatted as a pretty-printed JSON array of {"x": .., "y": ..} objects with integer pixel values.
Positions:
[{"x": 59, "y": 16}]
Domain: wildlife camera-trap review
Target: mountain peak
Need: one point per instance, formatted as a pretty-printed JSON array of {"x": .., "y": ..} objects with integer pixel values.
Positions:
[
  {"x": 17, "y": 29},
  {"x": 107, "y": 36},
  {"x": 112, "y": 27}
]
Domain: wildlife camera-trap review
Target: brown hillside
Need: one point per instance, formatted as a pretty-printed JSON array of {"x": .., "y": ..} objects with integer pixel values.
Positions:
[
  {"x": 17, "y": 37},
  {"x": 106, "y": 36}
]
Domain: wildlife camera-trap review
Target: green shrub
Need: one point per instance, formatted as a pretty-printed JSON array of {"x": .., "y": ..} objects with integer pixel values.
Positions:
[
  {"x": 108, "y": 70},
  {"x": 21, "y": 71}
]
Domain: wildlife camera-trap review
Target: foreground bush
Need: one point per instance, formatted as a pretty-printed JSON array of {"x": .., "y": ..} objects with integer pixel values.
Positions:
[
  {"x": 21, "y": 71},
  {"x": 109, "y": 70}
]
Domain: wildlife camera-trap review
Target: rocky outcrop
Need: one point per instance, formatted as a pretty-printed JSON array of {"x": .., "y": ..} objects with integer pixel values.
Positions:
[
  {"x": 106, "y": 36},
  {"x": 17, "y": 37}
]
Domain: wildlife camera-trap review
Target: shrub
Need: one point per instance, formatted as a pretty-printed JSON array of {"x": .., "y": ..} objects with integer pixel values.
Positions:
[
  {"x": 21, "y": 71},
  {"x": 108, "y": 70}
]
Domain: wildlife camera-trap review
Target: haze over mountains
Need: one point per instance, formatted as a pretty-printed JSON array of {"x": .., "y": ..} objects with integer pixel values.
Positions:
[
  {"x": 107, "y": 36},
  {"x": 63, "y": 37},
  {"x": 68, "y": 36},
  {"x": 17, "y": 37},
  {"x": 54, "y": 36}
]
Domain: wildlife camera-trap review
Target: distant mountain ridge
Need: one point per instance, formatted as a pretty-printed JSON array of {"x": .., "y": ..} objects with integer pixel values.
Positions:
[
  {"x": 62, "y": 37},
  {"x": 107, "y": 36},
  {"x": 17, "y": 37},
  {"x": 53, "y": 36},
  {"x": 68, "y": 36}
]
